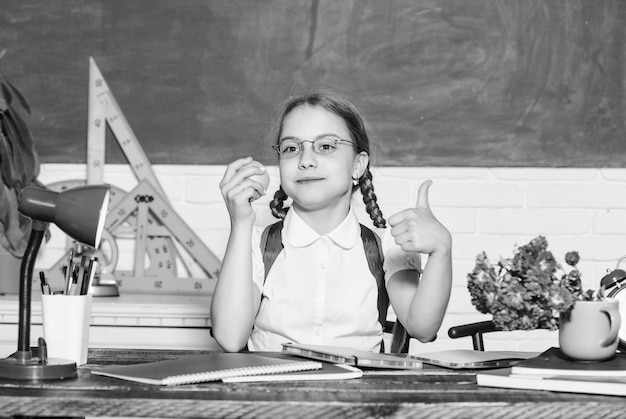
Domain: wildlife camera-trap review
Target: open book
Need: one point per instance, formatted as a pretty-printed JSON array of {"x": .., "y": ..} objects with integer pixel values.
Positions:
[
  {"x": 471, "y": 359},
  {"x": 208, "y": 367},
  {"x": 454, "y": 358},
  {"x": 349, "y": 356}
]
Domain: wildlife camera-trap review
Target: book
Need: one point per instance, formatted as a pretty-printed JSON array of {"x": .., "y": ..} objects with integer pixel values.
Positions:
[
  {"x": 614, "y": 386},
  {"x": 354, "y": 357},
  {"x": 327, "y": 372},
  {"x": 471, "y": 359},
  {"x": 553, "y": 362},
  {"x": 207, "y": 367}
]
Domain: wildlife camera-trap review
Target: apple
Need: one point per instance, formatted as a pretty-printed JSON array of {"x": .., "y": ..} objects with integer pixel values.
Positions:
[{"x": 263, "y": 178}]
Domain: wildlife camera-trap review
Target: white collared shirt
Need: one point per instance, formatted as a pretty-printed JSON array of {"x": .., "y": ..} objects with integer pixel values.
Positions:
[{"x": 320, "y": 289}]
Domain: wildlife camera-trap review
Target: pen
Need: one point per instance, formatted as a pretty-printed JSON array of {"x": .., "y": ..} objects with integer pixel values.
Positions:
[
  {"x": 85, "y": 280},
  {"x": 80, "y": 275},
  {"x": 74, "y": 283},
  {"x": 68, "y": 272},
  {"x": 93, "y": 267},
  {"x": 42, "y": 278}
]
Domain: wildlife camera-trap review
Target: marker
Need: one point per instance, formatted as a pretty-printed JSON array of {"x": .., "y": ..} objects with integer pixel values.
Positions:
[
  {"x": 45, "y": 287},
  {"x": 43, "y": 351},
  {"x": 42, "y": 278}
]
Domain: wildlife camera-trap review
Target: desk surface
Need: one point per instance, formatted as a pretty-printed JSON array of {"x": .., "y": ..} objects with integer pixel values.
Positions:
[{"x": 431, "y": 393}]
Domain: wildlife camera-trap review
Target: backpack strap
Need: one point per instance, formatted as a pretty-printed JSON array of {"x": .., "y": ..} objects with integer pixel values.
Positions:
[
  {"x": 272, "y": 244},
  {"x": 374, "y": 254}
]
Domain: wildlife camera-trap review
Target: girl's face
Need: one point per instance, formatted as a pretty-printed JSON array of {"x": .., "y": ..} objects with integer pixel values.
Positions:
[{"x": 319, "y": 181}]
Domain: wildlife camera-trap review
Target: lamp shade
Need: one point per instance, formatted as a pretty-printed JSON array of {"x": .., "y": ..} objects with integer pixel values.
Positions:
[{"x": 80, "y": 212}]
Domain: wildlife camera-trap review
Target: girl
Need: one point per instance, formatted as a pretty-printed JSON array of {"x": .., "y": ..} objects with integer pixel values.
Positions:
[{"x": 319, "y": 289}]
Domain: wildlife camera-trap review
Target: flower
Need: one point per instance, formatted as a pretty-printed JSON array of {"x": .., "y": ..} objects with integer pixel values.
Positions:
[{"x": 528, "y": 291}]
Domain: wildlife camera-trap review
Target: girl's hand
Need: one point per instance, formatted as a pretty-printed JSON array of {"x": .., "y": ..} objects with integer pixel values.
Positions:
[
  {"x": 417, "y": 229},
  {"x": 244, "y": 181}
]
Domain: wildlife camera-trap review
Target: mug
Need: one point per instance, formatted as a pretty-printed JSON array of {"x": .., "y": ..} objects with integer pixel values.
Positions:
[{"x": 589, "y": 332}]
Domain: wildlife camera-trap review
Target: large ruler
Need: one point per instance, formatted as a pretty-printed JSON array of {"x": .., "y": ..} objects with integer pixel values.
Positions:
[
  {"x": 145, "y": 213},
  {"x": 103, "y": 111},
  {"x": 145, "y": 200}
]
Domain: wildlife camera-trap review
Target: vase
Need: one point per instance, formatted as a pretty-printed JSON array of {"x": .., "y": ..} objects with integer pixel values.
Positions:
[
  {"x": 9, "y": 272},
  {"x": 589, "y": 332}
]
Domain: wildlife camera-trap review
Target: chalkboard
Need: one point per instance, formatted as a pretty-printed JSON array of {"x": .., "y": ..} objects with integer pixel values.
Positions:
[{"x": 442, "y": 83}]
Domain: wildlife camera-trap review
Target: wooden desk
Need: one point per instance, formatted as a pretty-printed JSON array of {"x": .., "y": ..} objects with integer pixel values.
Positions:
[{"x": 432, "y": 393}]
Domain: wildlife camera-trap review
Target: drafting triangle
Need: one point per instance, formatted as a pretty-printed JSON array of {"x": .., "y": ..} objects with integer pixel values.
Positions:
[{"x": 145, "y": 197}]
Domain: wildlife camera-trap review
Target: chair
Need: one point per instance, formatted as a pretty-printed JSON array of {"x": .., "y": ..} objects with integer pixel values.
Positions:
[
  {"x": 400, "y": 343},
  {"x": 475, "y": 330},
  {"x": 400, "y": 339}
]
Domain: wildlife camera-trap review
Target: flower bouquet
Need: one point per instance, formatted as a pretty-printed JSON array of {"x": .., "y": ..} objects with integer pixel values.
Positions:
[{"x": 528, "y": 291}]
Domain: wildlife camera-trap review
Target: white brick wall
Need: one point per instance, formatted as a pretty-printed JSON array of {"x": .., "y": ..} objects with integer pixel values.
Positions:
[{"x": 489, "y": 209}]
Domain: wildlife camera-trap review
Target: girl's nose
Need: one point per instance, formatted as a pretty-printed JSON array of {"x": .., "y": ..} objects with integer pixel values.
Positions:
[{"x": 308, "y": 157}]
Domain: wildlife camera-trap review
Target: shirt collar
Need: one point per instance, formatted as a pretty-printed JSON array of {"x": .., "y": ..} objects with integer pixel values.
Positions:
[{"x": 298, "y": 233}]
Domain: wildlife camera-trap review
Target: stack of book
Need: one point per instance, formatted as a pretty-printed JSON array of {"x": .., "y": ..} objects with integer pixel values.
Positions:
[{"x": 553, "y": 371}]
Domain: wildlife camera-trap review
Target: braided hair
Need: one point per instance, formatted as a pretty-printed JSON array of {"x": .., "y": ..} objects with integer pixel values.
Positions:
[{"x": 346, "y": 110}]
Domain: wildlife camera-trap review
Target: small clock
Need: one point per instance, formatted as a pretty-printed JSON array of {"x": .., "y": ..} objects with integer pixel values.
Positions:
[{"x": 614, "y": 284}]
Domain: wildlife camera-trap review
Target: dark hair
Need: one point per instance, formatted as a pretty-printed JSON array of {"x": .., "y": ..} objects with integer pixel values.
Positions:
[{"x": 346, "y": 110}]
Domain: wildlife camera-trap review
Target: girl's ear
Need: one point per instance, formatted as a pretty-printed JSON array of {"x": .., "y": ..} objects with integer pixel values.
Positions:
[{"x": 361, "y": 161}]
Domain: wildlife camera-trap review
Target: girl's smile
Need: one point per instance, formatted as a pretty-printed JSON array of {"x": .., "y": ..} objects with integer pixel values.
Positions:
[{"x": 308, "y": 179}]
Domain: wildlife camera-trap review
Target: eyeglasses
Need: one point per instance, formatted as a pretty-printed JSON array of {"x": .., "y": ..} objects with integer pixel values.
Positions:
[{"x": 290, "y": 147}]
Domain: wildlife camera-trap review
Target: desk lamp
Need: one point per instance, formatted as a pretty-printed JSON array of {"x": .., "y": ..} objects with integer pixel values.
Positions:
[{"x": 81, "y": 213}]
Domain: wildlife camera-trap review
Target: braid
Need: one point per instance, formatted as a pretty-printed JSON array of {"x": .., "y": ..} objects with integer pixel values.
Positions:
[
  {"x": 276, "y": 204},
  {"x": 369, "y": 198}
]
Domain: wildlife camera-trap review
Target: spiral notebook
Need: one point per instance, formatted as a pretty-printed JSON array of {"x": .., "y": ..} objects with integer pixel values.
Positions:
[
  {"x": 207, "y": 367},
  {"x": 327, "y": 372}
]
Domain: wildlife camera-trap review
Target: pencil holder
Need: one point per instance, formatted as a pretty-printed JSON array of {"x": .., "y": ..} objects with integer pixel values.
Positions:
[{"x": 66, "y": 320}]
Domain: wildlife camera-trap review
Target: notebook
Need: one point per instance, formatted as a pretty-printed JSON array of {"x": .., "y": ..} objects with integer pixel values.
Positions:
[
  {"x": 553, "y": 362},
  {"x": 327, "y": 372},
  {"x": 206, "y": 367},
  {"x": 354, "y": 357},
  {"x": 614, "y": 386}
]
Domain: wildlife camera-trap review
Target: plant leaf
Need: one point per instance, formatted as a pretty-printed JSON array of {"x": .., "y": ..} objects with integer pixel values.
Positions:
[
  {"x": 14, "y": 227},
  {"x": 18, "y": 95},
  {"x": 19, "y": 166}
]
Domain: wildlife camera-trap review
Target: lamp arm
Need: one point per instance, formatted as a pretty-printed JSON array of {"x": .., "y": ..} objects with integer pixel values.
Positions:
[{"x": 26, "y": 281}]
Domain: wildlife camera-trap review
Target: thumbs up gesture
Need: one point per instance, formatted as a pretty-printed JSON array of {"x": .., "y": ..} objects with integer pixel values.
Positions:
[{"x": 417, "y": 229}]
